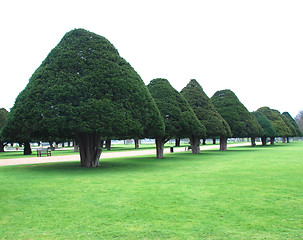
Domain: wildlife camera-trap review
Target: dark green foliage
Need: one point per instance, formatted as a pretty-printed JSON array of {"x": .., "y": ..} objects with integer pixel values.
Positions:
[
  {"x": 3, "y": 116},
  {"x": 268, "y": 128},
  {"x": 240, "y": 120},
  {"x": 205, "y": 111},
  {"x": 84, "y": 86},
  {"x": 292, "y": 125},
  {"x": 180, "y": 120},
  {"x": 275, "y": 117}
]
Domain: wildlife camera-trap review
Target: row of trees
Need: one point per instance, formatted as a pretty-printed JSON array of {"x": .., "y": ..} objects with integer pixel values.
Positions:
[{"x": 85, "y": 91}]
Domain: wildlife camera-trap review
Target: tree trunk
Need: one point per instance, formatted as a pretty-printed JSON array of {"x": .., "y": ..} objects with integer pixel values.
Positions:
[
  {"x": 90, "y": 150},
  {"x": 195, "y": 145},
  {"x": 214, "y": 141},
  {"x": 272, "y": 141},
  {"x": 2, "y": 145},
  {"x": 223, "y": 143},
  {"x": 264, "y": 139},
  {"x": 204, "y": 141},
  {"x": 136, "y": 143},
  {"x": 27, "y": 149},
  {"x": 177, "y": 142},
  {"x": 160, "y": 147},
  {"x": 287, "y": 139},
  {"x": 108, "y": 144},
  {"x": 283, "y": 140},
  {"x": 52, "y": 146},
  {"x": 253, "y": 142}
]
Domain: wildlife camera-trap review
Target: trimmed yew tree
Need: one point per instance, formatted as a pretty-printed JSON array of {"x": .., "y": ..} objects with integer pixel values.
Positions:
[
  {"x": 84, "y": 90},
  {"x": 293, "y": 126},
  {"x": 268, "y": 128},
  {"x": 242, "y": 123},
  {"x": 3, "y": 116},
  {"x": 205, "y": 111},
  {"x": 277, "y": 121},
  {"x": 180, "y": 120}
]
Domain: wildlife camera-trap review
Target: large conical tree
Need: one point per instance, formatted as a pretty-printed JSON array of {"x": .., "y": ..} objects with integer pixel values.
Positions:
[
  {"x": 240, "y": 120},
  {"x": 85, "y": 90},
  {"x": 214, "y": 123},
  {"x": 268, "y": 128},
  {"x": 293, "y": 126},
  {"x": 3, "y": 116},
  {"x": 180, "y": 120},
  {"x": 275, "y": 117}
]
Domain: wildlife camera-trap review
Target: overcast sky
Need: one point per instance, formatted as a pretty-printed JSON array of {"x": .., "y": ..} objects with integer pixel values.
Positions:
[{"x": 254, "y": 48}]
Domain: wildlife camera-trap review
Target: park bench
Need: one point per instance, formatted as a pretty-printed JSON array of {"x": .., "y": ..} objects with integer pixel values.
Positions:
[{"x": 46, "y": 151}]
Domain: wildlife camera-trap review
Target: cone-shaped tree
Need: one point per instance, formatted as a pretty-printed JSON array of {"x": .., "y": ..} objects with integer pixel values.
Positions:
[
  {"x": 3, "y": 116},
  {"x": 85, "y": 90},
  {"x": 293, "y": 126},
  {"x": 214, "y": 123},
  {"x": 276, "y": 120},
  {"x": 297, "y": 131},
  {"x": 242, "y": 123},
  {"x": 180, "y": 120},
  {"x": 268, "y": 128}
]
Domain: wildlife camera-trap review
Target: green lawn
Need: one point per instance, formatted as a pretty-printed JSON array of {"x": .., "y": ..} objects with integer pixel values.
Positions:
[{"x": 244, "y": 193}]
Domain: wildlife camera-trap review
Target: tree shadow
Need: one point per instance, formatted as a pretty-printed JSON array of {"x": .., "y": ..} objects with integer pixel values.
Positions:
[{"x": 129, "y": 164}]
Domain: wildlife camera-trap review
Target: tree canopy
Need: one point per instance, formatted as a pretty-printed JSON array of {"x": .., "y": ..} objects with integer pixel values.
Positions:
[
  {"x": 3, "y": 116},
  {"x": 84, "y": 89},
  {"x": 205, "y": 111},
  {"x": 268, "y": 128},
  {"x": 275, "y": 117},
  {"x": 180, "y": 120},
  {"x": 240, "y": 120},
  {"x": 296, "y": 132}
]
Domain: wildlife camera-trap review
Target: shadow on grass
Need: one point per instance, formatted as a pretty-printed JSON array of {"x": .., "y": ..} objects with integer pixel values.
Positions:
[
  {"x": 136, "y": 163},
  {"x": 130, "y": 164}
]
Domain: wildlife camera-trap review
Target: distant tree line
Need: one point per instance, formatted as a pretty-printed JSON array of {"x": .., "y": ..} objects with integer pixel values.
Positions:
[{"x": 85, "y": 91}]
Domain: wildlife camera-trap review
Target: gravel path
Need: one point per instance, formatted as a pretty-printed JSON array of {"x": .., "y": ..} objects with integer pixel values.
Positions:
[{"x": 69, "y": 158}]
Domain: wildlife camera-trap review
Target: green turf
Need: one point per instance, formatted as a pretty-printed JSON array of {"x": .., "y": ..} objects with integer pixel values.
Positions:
[{"x": 244, "y": 193}]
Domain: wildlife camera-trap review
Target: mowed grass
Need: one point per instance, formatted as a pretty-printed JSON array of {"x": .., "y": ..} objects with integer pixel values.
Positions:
[{"x": 244, "y": 193}]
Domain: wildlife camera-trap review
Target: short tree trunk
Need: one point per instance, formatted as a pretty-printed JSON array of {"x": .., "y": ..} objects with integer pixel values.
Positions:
[
  {"x": 195, "y": 145},
  {"x": 90, "y": 149},
  {"x": 177, "y": 142},
  {"x": 223, "y": 143},
  {"x": 27, "y": 149},
  {"x": 214, "y": 141},
  {"x": 2, "y": 145},
  {"x": 136, "y": 143},
  {"x": 272, "y": 141},
  {"x": 287, "y": 139},
  {"x": 108, "y": 143},
  {"x": 160, "y": 147},
  {"x": 52, "y": 146},
  {"x": 253, "y": 142},
  {"x": 264, "y": 139}
]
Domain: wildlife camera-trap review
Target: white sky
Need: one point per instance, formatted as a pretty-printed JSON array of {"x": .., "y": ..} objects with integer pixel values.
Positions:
[{"x": 254, "y": 47}]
